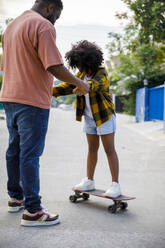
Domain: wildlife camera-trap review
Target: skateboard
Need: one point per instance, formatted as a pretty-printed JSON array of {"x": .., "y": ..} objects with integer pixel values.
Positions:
[{"x": 119, "y": 202}]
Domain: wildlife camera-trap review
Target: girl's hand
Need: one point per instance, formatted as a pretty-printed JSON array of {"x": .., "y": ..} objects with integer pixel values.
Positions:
[
  {"x": 78, "y": 92},
  {"x": 82, "y": 91}
]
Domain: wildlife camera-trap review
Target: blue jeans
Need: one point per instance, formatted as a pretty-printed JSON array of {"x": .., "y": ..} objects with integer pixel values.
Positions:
[{"x": 27, "y": 126}]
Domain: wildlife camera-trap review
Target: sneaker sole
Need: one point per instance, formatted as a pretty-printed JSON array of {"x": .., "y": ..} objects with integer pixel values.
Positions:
[
  {"x": 83, "y": 189},
  {"x": 15, "y": 209},
  {"x": 114, "y": 196},
  {"x": 39, "y": 223}
]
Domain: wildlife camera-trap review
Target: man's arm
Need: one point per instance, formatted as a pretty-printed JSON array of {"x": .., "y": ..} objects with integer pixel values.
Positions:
[{"x": 63, "y": 74}]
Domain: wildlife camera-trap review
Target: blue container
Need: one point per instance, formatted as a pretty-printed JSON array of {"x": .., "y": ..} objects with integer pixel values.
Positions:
[{"x": 156, "y": 103}]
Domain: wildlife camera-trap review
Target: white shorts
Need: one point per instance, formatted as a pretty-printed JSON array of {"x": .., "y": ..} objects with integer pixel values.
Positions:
[{"x": 106, "y": 128}]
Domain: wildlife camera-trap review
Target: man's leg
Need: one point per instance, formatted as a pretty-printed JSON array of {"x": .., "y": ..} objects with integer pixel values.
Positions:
[
  {"x": 12, "y": 155},
  {"x": 32, "y": 127}
]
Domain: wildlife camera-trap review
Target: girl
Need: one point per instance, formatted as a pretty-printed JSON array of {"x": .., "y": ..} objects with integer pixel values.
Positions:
[{"x": 97, "y": 108}]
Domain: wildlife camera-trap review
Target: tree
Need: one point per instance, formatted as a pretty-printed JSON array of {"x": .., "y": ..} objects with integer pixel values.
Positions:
[
  {"x": 140, "y": 49},
  {"x": 149, "y": 16}
]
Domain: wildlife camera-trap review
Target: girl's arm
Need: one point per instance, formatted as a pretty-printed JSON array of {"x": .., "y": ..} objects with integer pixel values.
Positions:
[{"x": 63, "y": 89}]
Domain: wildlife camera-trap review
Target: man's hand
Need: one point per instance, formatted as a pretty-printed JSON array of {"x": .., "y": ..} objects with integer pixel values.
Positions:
[
  {"x": 78, "y": 92},
  {"x": 82, "y": 88}
]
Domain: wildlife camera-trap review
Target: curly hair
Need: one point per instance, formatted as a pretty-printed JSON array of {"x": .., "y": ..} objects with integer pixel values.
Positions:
[{"x": 85, "y": 56}]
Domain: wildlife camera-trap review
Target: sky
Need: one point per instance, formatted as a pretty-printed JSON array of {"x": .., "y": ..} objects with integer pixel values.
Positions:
[
  {"x": 75, "y": 12},
  {"x": 71, "y": 27}
]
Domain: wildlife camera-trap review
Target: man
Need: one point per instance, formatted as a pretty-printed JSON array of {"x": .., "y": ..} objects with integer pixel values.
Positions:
[{"x": 30, "y": 60}]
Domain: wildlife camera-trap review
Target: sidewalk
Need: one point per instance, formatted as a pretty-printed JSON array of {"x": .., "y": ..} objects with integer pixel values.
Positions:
[{"x": 152, "y": 130}]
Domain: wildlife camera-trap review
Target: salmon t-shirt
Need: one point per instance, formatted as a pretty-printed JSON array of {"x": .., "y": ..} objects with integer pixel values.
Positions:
[{"x": 29, "y": 48}]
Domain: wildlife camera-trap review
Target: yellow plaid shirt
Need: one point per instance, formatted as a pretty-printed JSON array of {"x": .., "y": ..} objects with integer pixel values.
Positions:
[{"x": 100, "y": 98}]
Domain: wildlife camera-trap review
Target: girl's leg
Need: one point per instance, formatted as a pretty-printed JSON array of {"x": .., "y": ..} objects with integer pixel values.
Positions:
[
  {"x": 108, "y": 144},
  {"x": 93, "y": 146}
]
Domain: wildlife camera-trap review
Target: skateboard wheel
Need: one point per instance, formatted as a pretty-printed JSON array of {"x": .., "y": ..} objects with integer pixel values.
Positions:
[
  {"x": 85, "y": 196},
  {"x": 73, "y": 198},
  {"x": 123, "y": 205},
  {"x": 112, "y": 209}
]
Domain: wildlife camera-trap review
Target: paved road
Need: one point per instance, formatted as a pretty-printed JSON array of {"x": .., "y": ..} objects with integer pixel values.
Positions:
[{"x": 88, "y": 224}]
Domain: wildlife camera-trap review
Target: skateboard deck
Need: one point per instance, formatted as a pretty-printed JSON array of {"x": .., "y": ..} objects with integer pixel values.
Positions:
[{"x": 119, "y": 202}]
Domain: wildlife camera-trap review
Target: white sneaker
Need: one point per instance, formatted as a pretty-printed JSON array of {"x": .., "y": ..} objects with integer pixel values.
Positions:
[
  {"x": 114, "y": 190},
  {"x": 86, "y": 184}
]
